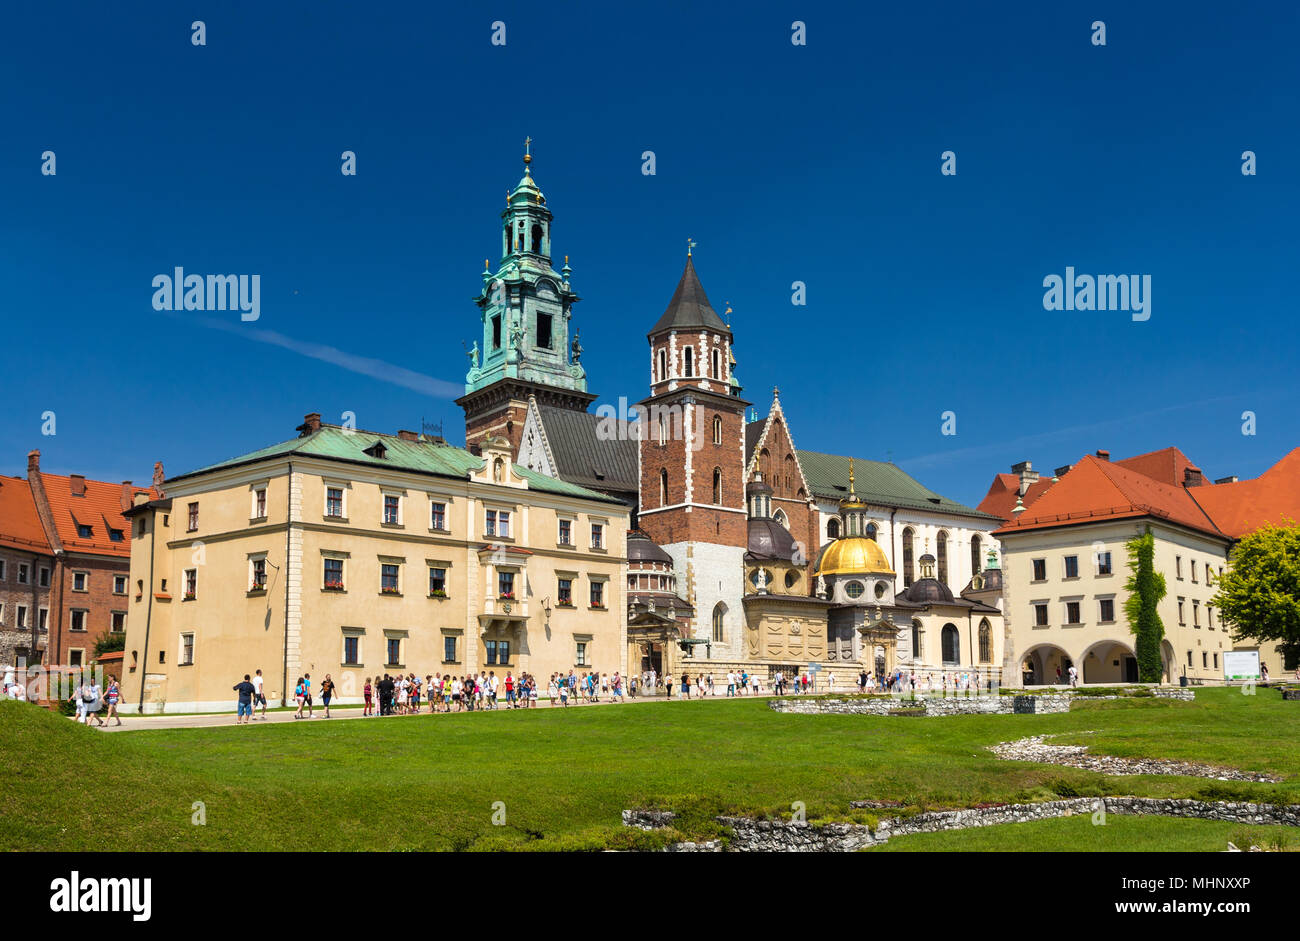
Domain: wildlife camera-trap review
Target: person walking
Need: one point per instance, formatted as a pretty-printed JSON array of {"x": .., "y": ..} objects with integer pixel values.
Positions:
[
  {"x": 111, "y": 696},
  {"x": 300, "y": 697},
  {"x": 244, "y": 704},
  {"x": 259, "y": 693},
  {"x": 367, "y": 693},
  {"x": 306, "y": 695},
  {"x": 326, "y": 693},
  {"x": 94, "y": 702}
]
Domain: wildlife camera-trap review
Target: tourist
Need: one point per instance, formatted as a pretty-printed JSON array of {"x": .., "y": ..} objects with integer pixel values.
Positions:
[
  {"x": 1263, "y": 672},
  {"x": 532, "y": 691},
  {"x": 259, "y": 693},
  {"x": 327, "y": 693},
  {"x": 710, "y": 681},
  {"x": 94, "y": 702},
  {"x": 1074, "y": 676},
  {"x": 668, "y": 684},
  {"x": 830, "y": 682},
  {"x": 300, "y": 697},
  {"x": 686, "y": 686},
  {"x": 631, "y": 686},
  {"x": 1058, "y": 674},
  {"x": 731, "y": 682},
  {"x": 306, "y": 691},
  {"x": 368, "y": 693},
  {"x": 111, "y": 696},
  {"x": 244, "y": 705}
]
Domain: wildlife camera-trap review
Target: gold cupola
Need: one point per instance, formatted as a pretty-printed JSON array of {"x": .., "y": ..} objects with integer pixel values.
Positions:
[{"x": 854, "y": 553}]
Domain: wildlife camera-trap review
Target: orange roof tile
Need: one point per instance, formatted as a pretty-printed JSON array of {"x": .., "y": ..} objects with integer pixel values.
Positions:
[
  {"x": 1001, "y": 498},
  {"x": 1168, "y": 465},
  {"x": 100, "y": 508},
  {"x": 1095, "y": 490},
  {"x": 20, "y": 527},
  {"x": 1246, "y": 505}
]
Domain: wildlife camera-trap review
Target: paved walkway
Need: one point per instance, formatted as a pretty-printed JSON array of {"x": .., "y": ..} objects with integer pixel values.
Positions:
[{"x": 133, "y": 723}]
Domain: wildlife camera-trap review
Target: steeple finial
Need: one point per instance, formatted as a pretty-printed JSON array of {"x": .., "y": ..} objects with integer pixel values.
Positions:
[
  {"x": 528, "y": 156},
  {"x": 727, "y": 312},
  {"x": 690, "y": 243},
  {"x": 852, "y": 492}
]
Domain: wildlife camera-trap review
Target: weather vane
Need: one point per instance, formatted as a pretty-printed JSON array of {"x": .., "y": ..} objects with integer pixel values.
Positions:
[{"x": 690, "y": 243}]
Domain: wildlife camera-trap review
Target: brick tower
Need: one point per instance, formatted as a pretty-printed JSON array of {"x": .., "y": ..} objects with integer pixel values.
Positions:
[
  {"x": 525, "y": 306},
  {"x": 692, "y": 454}
]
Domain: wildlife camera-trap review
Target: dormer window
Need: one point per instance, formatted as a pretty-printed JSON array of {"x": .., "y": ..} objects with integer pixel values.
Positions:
[
  {"x": 377, "y": 450},
  {"x": 84, "y": 531}
]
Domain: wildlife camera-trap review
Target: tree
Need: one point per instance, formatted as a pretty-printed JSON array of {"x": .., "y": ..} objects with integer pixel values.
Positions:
[
  {"x": 1146, "y": 587},
  {"x": 1259, "y": 594},
  {"x": 109, "y": 643}
]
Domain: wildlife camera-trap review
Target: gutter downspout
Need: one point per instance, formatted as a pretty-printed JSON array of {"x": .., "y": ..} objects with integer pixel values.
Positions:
[
  {"x": 288, "y": 532},
  {"x": 148, "y": 617}
]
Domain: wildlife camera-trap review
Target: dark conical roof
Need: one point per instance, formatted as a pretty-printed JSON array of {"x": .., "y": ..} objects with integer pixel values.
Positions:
[{"x": 690, "y": 306}]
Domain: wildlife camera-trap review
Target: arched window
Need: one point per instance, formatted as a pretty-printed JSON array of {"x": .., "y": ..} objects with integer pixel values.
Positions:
[
  {"x": 986, "y": 642},
  {"x": 916, "y": 640},
  {"x": 717, "y": 486},
  {"x": 779, "y": 516},
  {"x": 663, "y": 487},
  {"x": 975, "y": 566},
  {"x": 688, "y": 360},
  {"x": 719, "y": 624},
  {"x": 951, "y": 646},
  {"x": 789, "y": 470},
  {"x": 537, "y": 239},
  {"x": 717, "y": 430},
  {"x": 663, "y": 365},
  {"x": 833, "y": 529},
  {"x": 942, "y": 556},
  {"x": 715, "y": 362},
  {"x": 908, "y": 557},
  {"x": 765, "y": 464},
  {"x": 663, "y": 428},
  {"x": 871, "y": 531}
]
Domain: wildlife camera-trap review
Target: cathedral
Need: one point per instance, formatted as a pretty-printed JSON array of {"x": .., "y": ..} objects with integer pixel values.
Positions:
[{"x": 745, "y": 551}]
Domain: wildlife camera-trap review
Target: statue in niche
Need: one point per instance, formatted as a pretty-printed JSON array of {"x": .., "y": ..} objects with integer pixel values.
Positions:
[
  {"x": 473, "y": 356},
  {"x": 576, "y": 347}
]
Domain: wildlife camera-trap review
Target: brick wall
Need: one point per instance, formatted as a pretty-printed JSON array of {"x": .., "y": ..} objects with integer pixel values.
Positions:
[
  {"x": 31, "y": 596},
  {"x": 98, "y": 601}
]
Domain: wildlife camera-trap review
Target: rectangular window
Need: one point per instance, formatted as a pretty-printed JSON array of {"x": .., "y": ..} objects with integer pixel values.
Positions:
[
  {"x": 394, "y": 651},
  {"x": 1216, "y": 661},
  {"x": 503, "y": 652},
  {"x": 580, "y": 655},
  {"x": 388, "y": 581},
  {"x": 566, "y": 591},
  {"x": 75, "y": 657},
  {"x": 1071, "y": 566},
  {"x": 334, "y": 502},
  {"x": 1192, "y": 564},
  {"x": 598, "y": 594},
  {"x": 1205, "y": 659},
  {"x": 191, "y": 584},
  {"x": 187, "y": 650},
  {"x": 1107, "y": 610},
  {"x": 1178, "y": 566},
  {"x": 391, "y": 507},
  {"x": 1209, "y": 616},
  {"x": 544, "y": 331},
  {"x": 44, "y": 579},
  {"x": 79, "y": 579},
  {"x": 352, "y": 651},
  {"x": 1103, "y": 563},
  {"x": 334, "y": 574},
  {"x": 438, "y": 516},
  {"x": 503, "y": 524},
  {"x": 496, "y": 332},
  {"x": 23, "y": 573},
  {"x": 84, "y": 531},
  {"x": 437, "y": 582},
  {"x": 78, "y": 621},
  {"x": 119, "y": 584},
  {"x": 1072, "y": 612},
  {"x": 259, "y": 575},
  {"x": 490, "y": 523},
  {"x": 1040, "y": 570},
  {"x": 193, "y": 517},
  {"x": 1181, "y": 619},
  {"x": 259, "y": 503},
  {"x": 506, "y": 584},
  {"x": 490, "y": 647},
  {"x": 597, "y": 536},
  {"x": 115, "y": 535},
  {"x": 1196, "y": 613},
  {"x": 43, "y": 619},
  {"x": 2, "y": 570},
  {"x": 1040, "y": 615},
  {"x": 119, "y": 622},
  {"x": 566, "y": 533},
  {"x": 22, "y": 616},
  {"x": 449, "y": 650}
]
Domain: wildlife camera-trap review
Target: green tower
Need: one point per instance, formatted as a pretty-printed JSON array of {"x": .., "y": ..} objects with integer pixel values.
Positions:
[{"x": 525, "y": 307}]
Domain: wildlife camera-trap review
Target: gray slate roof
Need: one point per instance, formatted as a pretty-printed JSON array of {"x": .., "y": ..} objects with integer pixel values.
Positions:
[
  {"x": 690, "y": 306},
  {"x": 582, "y": 458}
]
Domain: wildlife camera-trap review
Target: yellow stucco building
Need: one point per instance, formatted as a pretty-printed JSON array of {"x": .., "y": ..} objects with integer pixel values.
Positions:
[{"x": 355, "y": 554}]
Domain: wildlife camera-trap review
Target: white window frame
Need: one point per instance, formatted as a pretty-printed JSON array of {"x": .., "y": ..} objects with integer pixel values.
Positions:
[
  {"x": 344, "y": 487},
  {"x": 384, "y": 494},
  {"x": 72, "y": 620},
  {"x": 180, "y": 648},
  {"x": 360, "y": 634},
  {"x": 263, "y": 487}
]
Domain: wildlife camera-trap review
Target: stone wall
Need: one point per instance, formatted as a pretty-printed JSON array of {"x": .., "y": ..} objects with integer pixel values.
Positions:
[
  {"x": 928, "y": 707},
  {"x": 783, "y": 836}
]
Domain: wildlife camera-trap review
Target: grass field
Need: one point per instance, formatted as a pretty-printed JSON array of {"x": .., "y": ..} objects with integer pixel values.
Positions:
[{"x": 430, "y": 782}]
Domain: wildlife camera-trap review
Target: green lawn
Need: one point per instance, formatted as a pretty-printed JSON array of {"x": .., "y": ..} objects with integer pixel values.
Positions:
[{"x": 564, "y": 775}]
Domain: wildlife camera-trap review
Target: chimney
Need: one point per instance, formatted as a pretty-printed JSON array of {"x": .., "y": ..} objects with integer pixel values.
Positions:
[
  {"x": 158, "y": 477},
  {"x": 1062, "y": 470},
  {"x": 1227, "y": 480},
  {"x": 128, "y": 495},
  {"x": 77, "y": 485},
  {"x": 1103, "y": 455},
  {"x": 310, "y": 424},
  {"x": 408, "y": 436},
  {"x": 1028, "y": 476},
  {"x": 1192, "y": 477},
  {"x": 33, "y": 462}
]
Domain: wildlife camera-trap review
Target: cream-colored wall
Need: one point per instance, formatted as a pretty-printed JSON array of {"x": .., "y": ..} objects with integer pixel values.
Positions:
[
  {"x": 237, "y": 631},
  {"x": 1108, "y": 642}
]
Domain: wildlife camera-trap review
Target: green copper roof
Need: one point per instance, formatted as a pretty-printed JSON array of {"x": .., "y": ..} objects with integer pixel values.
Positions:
[
  {"x": 876, "y": 482},
  {"x": 421, "y": 457}
]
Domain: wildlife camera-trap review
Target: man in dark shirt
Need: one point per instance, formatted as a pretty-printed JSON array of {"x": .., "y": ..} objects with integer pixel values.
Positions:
[{"x": 244, "y": 708}]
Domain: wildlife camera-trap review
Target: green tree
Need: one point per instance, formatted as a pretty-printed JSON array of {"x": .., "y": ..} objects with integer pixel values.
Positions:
[
  {"x": 1146, "y": 587},
  {"x": 109, "y": 643},
  {"x": 1259, "y": 594}
]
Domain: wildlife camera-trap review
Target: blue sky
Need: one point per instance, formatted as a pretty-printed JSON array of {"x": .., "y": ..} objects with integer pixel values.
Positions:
[{"x": 818, "y": 164}]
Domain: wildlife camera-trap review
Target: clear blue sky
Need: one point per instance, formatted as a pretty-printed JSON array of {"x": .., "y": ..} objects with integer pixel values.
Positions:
[{"x": 819, "y": 164}]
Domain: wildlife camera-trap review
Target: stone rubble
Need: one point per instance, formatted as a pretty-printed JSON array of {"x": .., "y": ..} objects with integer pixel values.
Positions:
[{"x": 1036, "y": 748}]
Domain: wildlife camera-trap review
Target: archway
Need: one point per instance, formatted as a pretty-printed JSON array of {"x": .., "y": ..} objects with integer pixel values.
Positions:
[
  {"x": 1109, "y": 661},
  {"x": 1167, "y": 660},
  {"x": 1039, "y": 665}
]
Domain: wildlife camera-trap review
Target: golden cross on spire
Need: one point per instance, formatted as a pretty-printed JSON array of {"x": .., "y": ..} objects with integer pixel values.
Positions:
[{"x": 528, "y": 156}]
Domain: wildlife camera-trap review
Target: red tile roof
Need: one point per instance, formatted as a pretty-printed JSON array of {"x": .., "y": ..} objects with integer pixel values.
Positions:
[
  {"x": 1095, "y": 490},
  {"x": 1168, "y": 465},
  {"x": 20, "y": 527},
  {"x": 1001, "y": 498},
  {"x": 1244, "y": 506},
  {"x": 100, "y": 508}
]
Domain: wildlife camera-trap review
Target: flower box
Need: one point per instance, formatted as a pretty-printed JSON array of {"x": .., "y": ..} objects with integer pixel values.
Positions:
[
  {"x": 437, "y": 594},
  {"x": 389, "y": 591},
  {"x": 333, "y": 586},
  {"x": 189, "y": 596}
]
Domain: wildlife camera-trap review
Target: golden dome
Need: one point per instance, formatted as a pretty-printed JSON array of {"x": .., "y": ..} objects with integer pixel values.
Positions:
[{"x": 854, "y": 555}]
